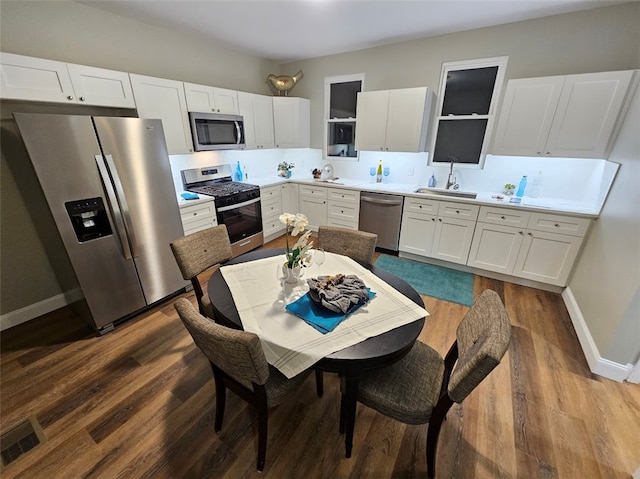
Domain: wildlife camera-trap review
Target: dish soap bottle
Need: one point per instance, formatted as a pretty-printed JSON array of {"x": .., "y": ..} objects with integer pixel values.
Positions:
[
  {"x": 432, "y": 181},
  {"x": 238, "y": 172},
  {"x": 379, "y": 172},
  {"x": 521, "y": 186}
]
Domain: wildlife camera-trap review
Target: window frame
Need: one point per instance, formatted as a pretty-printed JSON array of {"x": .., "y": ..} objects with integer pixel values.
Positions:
[
  {"x": 501, "y": 63},
  {"x": 328, "y": 81}
]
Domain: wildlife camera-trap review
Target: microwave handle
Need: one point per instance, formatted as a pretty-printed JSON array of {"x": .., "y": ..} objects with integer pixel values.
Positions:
[{"x": 238, "y": 132}]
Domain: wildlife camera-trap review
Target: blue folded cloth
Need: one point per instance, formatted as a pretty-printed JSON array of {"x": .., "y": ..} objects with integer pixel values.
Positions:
[
  {"x": 319, "y": 317},
  {"x": 187, "y": 195}
]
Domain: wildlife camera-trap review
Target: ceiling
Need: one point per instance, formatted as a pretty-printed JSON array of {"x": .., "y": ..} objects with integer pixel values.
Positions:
[{"x": 291, "y": 30}]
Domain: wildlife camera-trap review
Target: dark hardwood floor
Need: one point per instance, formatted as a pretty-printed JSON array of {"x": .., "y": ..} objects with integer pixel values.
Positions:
[{"x": 139, "y": 403}]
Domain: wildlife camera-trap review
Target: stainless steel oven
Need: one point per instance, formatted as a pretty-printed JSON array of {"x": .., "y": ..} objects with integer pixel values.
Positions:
[{"x": 237, "y": 204}]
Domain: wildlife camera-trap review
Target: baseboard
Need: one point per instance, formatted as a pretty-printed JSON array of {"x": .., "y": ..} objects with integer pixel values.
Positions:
[
  {"x": 597, "y": 364},
  {"x": 32, "y": 311}
]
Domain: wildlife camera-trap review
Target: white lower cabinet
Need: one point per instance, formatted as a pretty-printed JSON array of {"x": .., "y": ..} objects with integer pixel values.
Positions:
[
  {"x": 271, "y": 203},
  {"x": 343, "y": 208},
  {"x": 437, "y": 229},
  {"x": 198, "y": 217},
  {"x": 313, "y": 204},
  {"x": 540, "y": 247},
  {"x": 418, "y": 226},
  {"x": 289, "y": 193}
]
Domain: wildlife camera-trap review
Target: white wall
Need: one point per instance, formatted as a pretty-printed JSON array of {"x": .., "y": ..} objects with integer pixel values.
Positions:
[{"x": 606, "y": 280}]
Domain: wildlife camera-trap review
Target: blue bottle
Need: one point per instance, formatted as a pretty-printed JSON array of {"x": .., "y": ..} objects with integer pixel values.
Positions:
[
  {"x": 432, "y": 181},
  {"x": 521, "y": 186},
  {"x": 239, "y": 174}
]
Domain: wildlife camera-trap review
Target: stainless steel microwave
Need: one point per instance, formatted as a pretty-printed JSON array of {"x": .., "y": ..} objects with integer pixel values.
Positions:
[{"x": 212, "y": 131}]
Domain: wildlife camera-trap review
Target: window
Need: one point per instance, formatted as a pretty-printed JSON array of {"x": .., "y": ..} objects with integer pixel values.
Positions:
[
  {"x": 341, "y": 94},
  {"x": 466, "y": 109}
]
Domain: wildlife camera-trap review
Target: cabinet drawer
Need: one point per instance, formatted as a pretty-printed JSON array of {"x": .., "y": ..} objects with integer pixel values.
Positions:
[
  {"x": 271, "y": 206},
  {"x": 343, "y": 196},
  {"x": 458, "y": 210},
  {"x": 559, "y": 224},
  {"x": 343, "y": 224},
  {"x": 189, "y": 214},
  {"x": 271, "y": 225},
  {"x": 268, "y": 193},
  {"x": 503, "y": 216},
  {"x": 343, "y": 212},
  {"x": 421, "y": 206},
  {"x": 313, "y": 191},
  {"x": 199, "y": 225}
]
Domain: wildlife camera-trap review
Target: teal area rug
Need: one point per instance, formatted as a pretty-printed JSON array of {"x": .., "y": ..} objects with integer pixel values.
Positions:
[{"x": 429, "y": 280}]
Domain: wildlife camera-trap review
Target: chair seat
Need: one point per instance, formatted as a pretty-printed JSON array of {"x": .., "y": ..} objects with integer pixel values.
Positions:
[
  {"x": 407, "y": 390},
  {"x": 278, "y": 387}
]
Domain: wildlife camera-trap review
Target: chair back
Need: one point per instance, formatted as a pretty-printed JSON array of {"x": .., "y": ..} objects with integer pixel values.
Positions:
[
  {"x": 483, "y": 337},
  {"x": 238, "y": 353},
  {"x": 357, "y": 245},
  {"x": 199, "y": 251}
]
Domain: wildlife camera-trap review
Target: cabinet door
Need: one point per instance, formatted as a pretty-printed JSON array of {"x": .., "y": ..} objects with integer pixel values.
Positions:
[
  {"x": 416, "y": 233},
  {"x": 526, "y": 116},
  {"x": 97, "y": 86},
  {"x": 291, "y": 122},
  {"x": 406, "y": 120},
  {"x": 199, "y": 98},
  {"x": 35, "y": 79},
  {"x": 263, "y": 121},
  {"x": 495, "y": 247},
  {"x": 587, "y": 113},
  {"x": 371, "y": 124},
  {"x": 289, "y": 193},
  {"x": 164, "y": 99},
  {"x": 452, "y": 240},
  {"x": 226, "y": 101},
  {"x": 315, "y": 209},
  {"x": 547, "y": 257}
]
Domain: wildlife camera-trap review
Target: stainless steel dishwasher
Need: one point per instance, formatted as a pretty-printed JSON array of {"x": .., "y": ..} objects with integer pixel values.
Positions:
[{"x": 381, "y": 214}]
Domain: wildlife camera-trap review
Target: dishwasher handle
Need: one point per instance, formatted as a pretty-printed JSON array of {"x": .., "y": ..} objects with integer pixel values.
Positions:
[{"x": 378, "y": 201}]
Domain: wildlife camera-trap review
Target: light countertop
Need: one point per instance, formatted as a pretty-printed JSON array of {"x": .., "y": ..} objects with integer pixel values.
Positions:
[{"x": 548, "y": 205}]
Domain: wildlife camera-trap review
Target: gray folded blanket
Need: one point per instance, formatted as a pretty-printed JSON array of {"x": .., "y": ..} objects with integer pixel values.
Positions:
[{"x": 338, "y": 293}]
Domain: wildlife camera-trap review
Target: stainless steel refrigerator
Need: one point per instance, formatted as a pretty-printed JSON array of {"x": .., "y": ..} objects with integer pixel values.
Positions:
[{"x": 108, "y": 184}]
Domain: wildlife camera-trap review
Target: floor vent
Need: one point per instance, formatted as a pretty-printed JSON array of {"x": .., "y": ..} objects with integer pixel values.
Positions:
[{"x": 19, "y": 440}]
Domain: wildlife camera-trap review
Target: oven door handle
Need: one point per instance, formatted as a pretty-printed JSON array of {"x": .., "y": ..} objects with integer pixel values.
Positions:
[{"x": 238, "y": 205}]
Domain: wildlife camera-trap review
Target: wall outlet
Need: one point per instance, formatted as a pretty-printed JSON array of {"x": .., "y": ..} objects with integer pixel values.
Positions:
[{"x": 412, "y": 170}]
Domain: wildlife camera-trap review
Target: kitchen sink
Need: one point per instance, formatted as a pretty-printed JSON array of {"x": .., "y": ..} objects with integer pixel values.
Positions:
[{"x": 450, "y": 193}]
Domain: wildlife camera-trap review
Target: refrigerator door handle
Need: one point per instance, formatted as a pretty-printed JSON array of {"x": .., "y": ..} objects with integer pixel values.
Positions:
[
  {"x": 115, "y": 207},
  {"x": 126, "y": 213}
]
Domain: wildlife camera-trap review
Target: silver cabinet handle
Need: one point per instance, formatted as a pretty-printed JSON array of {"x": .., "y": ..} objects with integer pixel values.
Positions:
[
  {"x": 82, "y": 98},
  {"x": 126, "y": 213},
  {"x": 70, "y": 97},
  {"x": 115, "y": 206}
]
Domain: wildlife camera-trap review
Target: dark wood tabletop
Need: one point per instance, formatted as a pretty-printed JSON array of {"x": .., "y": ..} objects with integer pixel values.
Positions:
[{"x": 350, "y": 362}]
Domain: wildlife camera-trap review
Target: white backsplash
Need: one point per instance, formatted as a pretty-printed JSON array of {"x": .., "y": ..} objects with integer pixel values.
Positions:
[{"x": 567, "y": 179}]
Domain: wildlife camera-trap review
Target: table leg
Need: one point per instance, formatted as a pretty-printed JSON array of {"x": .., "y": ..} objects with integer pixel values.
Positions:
[{"x": 351, "y": 398}]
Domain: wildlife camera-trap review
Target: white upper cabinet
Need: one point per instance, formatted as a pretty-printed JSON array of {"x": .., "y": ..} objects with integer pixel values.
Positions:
[
  {"x": 38, "y": 79},
  {"x": 574, "y": 116},
  {"x": 208, "y": 99},
  {"x": 393, "y": 120},
  {"x": 257, "y": 111},
  {"x": 165, "y": 99},
  {"x": 291, "y": 122}
]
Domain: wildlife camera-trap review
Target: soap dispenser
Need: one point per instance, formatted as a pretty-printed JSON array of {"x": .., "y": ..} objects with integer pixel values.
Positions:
[{"x": 432, "y": 181}]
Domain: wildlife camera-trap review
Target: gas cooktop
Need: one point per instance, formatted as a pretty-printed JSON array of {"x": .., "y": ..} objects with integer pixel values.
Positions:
[{"x": 216, "y": 181}]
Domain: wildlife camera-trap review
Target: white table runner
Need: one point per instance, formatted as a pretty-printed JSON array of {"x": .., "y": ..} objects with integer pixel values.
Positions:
[{"x": 290, "y": 344}]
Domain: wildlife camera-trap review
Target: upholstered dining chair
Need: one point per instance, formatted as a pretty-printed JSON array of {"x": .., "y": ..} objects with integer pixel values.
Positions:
[
  {"x": 422, "y": 386},
  {"x": 238, "y": 363},
  {"x": 358, "y": 245},
  {"x": 198, "y": 252}
]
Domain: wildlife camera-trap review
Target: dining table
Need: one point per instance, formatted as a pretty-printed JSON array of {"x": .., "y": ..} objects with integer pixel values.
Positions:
[{"x": 247, "y": 294}]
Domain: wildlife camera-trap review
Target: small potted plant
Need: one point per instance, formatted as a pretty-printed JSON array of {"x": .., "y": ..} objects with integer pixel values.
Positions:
[
  {"x": 509, "y": 188},
  {"x": 284, "y": 169}
]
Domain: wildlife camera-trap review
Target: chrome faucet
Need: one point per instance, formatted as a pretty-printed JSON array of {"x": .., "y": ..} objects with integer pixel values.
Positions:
[{"x": 451, "y": 180}]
